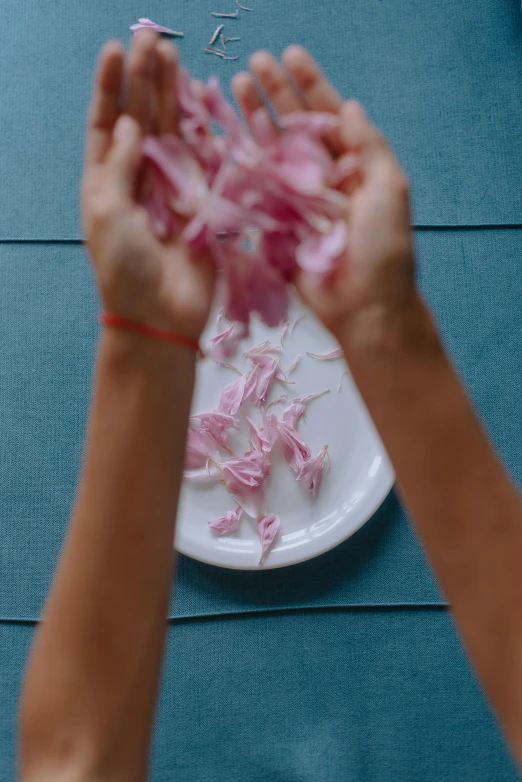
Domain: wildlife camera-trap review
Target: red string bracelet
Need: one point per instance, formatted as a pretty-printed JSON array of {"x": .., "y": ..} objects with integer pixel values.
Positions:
[{"x": 150, "y": 331}]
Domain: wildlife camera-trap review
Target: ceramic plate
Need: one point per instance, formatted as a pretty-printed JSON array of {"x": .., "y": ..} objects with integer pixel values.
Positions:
[{"x": 357, "y": 482}]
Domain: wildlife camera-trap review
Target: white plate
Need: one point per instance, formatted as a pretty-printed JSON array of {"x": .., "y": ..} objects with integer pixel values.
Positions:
[{"x": 359, "y": 478}]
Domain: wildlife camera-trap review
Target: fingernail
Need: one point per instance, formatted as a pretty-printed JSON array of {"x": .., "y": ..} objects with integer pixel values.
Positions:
[{"x": 124, "y": 127}]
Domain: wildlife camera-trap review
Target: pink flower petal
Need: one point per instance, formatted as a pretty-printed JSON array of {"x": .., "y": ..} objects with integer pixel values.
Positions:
[
  {"x": 313, "y": 123},
  {"x": 244, "y": 478},
  {"x": 227, "y": 523},
  {"x": 311, "y": 473},
  {"x": 293, "y": 414},
  {"x": 200, "y": 447},
  {"x": 319, "y": 254},
  {"x": 225, "y": 344},
  {"x": 295, "y": 450},
  {"x": 146, "y": 24},
  {"x": 233, "y": 395},
  {"x": 216, "y": 425},
  {"x": 338, "y": 353},
  {"x": 259, "y": 440},
  {"x": 267, "y": 529}
]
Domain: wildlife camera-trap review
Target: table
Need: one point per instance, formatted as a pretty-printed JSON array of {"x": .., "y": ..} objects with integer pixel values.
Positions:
[{"x": 347, "y": 667}]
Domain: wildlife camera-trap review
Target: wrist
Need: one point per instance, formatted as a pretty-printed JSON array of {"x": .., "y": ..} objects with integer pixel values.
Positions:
[
  {"x": 379, "y": 332},
  {"x": 136, "y": 351}
]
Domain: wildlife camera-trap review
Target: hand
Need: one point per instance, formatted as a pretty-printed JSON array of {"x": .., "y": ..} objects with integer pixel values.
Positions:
[
  {"x": 377, "y": 271},
  {"x": 139, "y": 277}
]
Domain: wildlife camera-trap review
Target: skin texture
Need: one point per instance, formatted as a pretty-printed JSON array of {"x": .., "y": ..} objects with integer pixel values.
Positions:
[{"x": 92, "y": 679}]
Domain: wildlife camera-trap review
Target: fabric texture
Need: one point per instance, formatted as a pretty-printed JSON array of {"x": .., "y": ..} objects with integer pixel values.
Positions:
[
  {"x": 353, "y": 696},
  {"x": 48, "y": 332},
  {"x": 442, "y": 82}
]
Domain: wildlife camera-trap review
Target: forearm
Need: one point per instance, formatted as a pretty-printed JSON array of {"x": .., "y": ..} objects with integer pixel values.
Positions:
[
  {"x": 465, "y": 508},
  {"x": 93, "y": 674}
]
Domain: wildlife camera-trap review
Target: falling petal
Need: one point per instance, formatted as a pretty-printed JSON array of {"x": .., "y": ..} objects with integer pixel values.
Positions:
[
  {"x": 267, "y": 529},
  {"x": 227, "y": 523},
  {"x": 338, "y": 353},
  {"x": 233, "y": 396}
]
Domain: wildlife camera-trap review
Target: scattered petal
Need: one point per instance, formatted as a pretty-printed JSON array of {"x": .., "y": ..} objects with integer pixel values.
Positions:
[
  {"x": 259, "y": 441},
  {"x": 215, "y": 34},
  {"x": 226, "y": 523},
  {"x": 284, "y": 329},
  {"x": 146, "y": 24},
  {"x": 278, "y": 401},
  {"x": 311, "y": 473},
  {"x": 297, "y": 320},
  {"x": 267, "y": 529},
  {"x": 227, "y": 16},
  {"x": 244, "y": 478},
  {"x": 295, "y": 450},
  {"x": 294, "y": 413},
  {"x": 233, "y": 395},
  {"x": 338, "y": 353},
  {"x": 341, "y": 381},
  {"x": 217, "y": 426},
  {"x": 293, "y": 365}
]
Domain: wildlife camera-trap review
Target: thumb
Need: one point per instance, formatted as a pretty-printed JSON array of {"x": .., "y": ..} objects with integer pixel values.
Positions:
[{"x": 125, "y": 154}]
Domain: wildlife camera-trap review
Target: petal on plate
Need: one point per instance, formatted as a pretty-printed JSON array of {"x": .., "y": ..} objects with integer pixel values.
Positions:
[
  {"x": 267, "y": 529},
  {"x": 295, "y": 450},
  {"x": 227, "y": 523},
  {"x": 311, "y": 473}
]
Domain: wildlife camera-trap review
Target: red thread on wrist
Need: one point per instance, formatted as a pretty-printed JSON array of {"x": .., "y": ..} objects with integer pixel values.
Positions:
[{"x": 151, "y": 331}]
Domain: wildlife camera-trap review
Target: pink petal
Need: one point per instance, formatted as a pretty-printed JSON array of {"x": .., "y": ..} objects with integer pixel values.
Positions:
[
  {"x": 225, "y": 344},
  {"x": 319, "y": 254},
  {"x": 226, "y": 523},
  {"x": 267, "y": 529},
  {"x": 295, "y": 450},
  {"x": 216, "y": 425},
  {"x": 146, "y": 24},
  {"x": 233, "y": 395},
  {"x": 244, "y": 479},
  {"x": 258, "y": 439},
  {"x": 338, "y": 353},
  {"x": 200, "y": 447},
  {"x": 278, "y": 401},
  {"x": 267, "y": 368},
  {"x": 293, "y": 414},
  {"x": 311, "y": 473}
]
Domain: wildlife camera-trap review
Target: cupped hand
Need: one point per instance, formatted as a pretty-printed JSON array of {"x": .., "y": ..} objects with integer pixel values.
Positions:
[
  {"x": 139, "y": 277},
  {"x": 377, "y": 271}
]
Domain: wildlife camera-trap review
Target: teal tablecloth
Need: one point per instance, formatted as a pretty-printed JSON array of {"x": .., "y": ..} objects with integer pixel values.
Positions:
[
  {"x": 329, "y": 694},
  {"x": 381, "y": 696}
]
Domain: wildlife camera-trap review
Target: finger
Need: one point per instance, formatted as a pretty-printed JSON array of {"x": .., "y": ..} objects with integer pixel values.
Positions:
[
  {"x": 105, "y": 102},
  {"x": 360, "y": 136},
  {"x": 168, "y": 84},
  {"x": 275, "y": 83},
  {"x": 245, "y": 92},
  {"x": 141, "y": 68},
  {"x": 124, "y": 157},
  {"x": 315, "y": 89}
]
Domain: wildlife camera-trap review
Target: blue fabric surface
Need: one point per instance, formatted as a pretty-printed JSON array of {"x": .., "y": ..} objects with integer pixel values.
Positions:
[
  {"x": 441, "y": 79},
  {"x": 314, "y": 697},
  {"x": 48, "y": 334}
]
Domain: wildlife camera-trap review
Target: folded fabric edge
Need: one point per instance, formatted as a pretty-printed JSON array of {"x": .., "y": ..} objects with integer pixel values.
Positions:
[{"x": 359, "y": 607}]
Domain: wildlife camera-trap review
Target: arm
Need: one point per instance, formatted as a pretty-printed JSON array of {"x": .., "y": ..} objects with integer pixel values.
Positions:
[
  {"x": 92, "y": 678},
  {"x": 463, "y": 504},
  {"x": 465, "y": 508}
]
